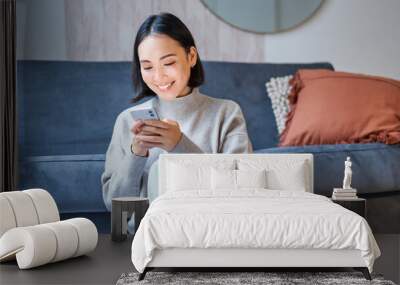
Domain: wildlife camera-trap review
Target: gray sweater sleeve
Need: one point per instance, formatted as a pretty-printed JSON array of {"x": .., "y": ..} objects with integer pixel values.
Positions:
[
  {"x": 123, "y": 170},
  {"x": 235, "y": 138},
  {"x": 185, "y": 145}
]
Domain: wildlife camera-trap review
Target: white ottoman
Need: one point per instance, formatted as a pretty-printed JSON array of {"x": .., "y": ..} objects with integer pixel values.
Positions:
[{"x": 32, "y": 233}]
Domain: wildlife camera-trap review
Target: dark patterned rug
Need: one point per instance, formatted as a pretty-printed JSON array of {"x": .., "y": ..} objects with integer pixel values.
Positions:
[{"x": 273, "y": 278}]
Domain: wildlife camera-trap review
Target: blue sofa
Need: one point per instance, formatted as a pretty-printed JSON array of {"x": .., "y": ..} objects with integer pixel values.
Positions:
[{"x": 67, "y": 111}]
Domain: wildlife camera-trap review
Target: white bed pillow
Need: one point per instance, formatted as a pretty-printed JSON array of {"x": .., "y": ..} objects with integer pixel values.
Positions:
[
  {"x": 186, "y": 174},
  {"x": 181, "y": 177},
  {"x": 281, "y": 174},
  {"x": 223, "y": 179},
  {"x": 227, "y": 179},
  {"x": 251, "y": 178}
]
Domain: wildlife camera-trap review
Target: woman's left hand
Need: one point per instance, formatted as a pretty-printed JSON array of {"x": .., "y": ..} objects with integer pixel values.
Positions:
[{"x": 164, "y": 134}]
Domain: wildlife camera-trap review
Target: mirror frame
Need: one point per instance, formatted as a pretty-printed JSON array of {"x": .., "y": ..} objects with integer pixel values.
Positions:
[{"x": 264, "y": 33}]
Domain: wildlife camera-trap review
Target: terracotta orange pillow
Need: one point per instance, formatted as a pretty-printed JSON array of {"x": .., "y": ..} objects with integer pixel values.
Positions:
[{"x": 330, "y": 107}]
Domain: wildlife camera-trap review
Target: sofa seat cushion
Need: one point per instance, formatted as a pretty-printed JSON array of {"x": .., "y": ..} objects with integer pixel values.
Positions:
[
  {"x": 375, "y": 166},
  {"x": 72, "y": 180}
]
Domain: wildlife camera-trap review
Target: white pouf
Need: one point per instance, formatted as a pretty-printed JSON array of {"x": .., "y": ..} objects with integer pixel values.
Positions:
[
  {"x": 45, "y": 205},
  {"x": 23, "y": 209},
  {"x": 37, "y": 245},
  {"x": 32, "y": 233},
  {"x": 26, "y": 208},
  {"x": 7, "y": 218}
]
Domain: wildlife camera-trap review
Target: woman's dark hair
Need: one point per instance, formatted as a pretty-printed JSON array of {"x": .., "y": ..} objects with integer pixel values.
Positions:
[{"x": 169, "y": 25}]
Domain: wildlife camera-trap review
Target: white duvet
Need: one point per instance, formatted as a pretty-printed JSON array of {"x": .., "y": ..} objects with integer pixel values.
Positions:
[{"x": 251, "y": 218}]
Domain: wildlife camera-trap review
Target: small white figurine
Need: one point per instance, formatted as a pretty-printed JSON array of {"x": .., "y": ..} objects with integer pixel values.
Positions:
[{"x": 347, "y": 174}]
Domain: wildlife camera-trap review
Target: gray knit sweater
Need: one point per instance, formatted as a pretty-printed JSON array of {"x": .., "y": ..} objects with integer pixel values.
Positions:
[{"x": 208, "y": 125}]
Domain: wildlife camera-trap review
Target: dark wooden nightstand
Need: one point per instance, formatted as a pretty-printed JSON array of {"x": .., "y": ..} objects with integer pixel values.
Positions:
[
  {"x": 358, "y": 205},
  {"x": 122, "y": 209}
]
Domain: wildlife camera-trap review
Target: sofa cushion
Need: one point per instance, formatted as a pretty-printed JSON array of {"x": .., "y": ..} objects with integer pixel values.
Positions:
[
  {"x": 375, "y": 166},
  {"x": 68, "y": 107},
  {"x": 278, "y": 90},
  {"x": 245, "y": 84},
  {"x": 329, "y": 107},
  {"x": 72, "y": 180}
]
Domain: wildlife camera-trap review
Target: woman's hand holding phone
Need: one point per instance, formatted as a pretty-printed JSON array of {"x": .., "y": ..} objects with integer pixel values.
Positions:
[
  {"x": 137, "y": 147},
  {"x": 164, "y": 134}
]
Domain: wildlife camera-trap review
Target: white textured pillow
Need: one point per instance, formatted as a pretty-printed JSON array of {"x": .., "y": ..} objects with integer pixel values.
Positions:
[
  {"x": 278, "y": 89},
  {"x": 226, "y": 179},
  {"x": 281, "y": 174}
]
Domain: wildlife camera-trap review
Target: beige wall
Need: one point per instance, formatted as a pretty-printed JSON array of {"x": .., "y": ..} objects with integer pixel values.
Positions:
[
  {"x": 340, "y": 32},
  {"x": 104, "y": 30}
]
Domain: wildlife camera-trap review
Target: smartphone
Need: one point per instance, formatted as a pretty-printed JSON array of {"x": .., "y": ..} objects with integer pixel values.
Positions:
[{"x": 144, "y": 114}]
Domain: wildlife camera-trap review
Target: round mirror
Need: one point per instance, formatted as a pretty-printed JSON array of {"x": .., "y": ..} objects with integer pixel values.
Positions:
[{"x": 263, "y": 16}]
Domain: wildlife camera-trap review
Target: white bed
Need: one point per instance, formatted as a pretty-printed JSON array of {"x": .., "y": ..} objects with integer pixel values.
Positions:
[{"x": 201, "y": 219}]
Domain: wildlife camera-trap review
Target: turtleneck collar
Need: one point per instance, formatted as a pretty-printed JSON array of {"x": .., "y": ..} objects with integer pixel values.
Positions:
[{"x": 180, "y": 106}]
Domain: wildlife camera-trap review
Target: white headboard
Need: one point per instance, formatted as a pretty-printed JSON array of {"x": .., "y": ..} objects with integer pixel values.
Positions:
[{"x": 204, "y": 159}]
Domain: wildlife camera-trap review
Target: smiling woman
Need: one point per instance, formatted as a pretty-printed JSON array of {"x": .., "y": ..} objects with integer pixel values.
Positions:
[
  {"x": 166, "y": 74},
  {"x": 167, "y": 67}
]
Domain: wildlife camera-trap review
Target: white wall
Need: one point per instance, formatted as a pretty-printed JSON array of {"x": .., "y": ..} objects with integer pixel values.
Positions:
[{"x": 358, "y": 36}]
